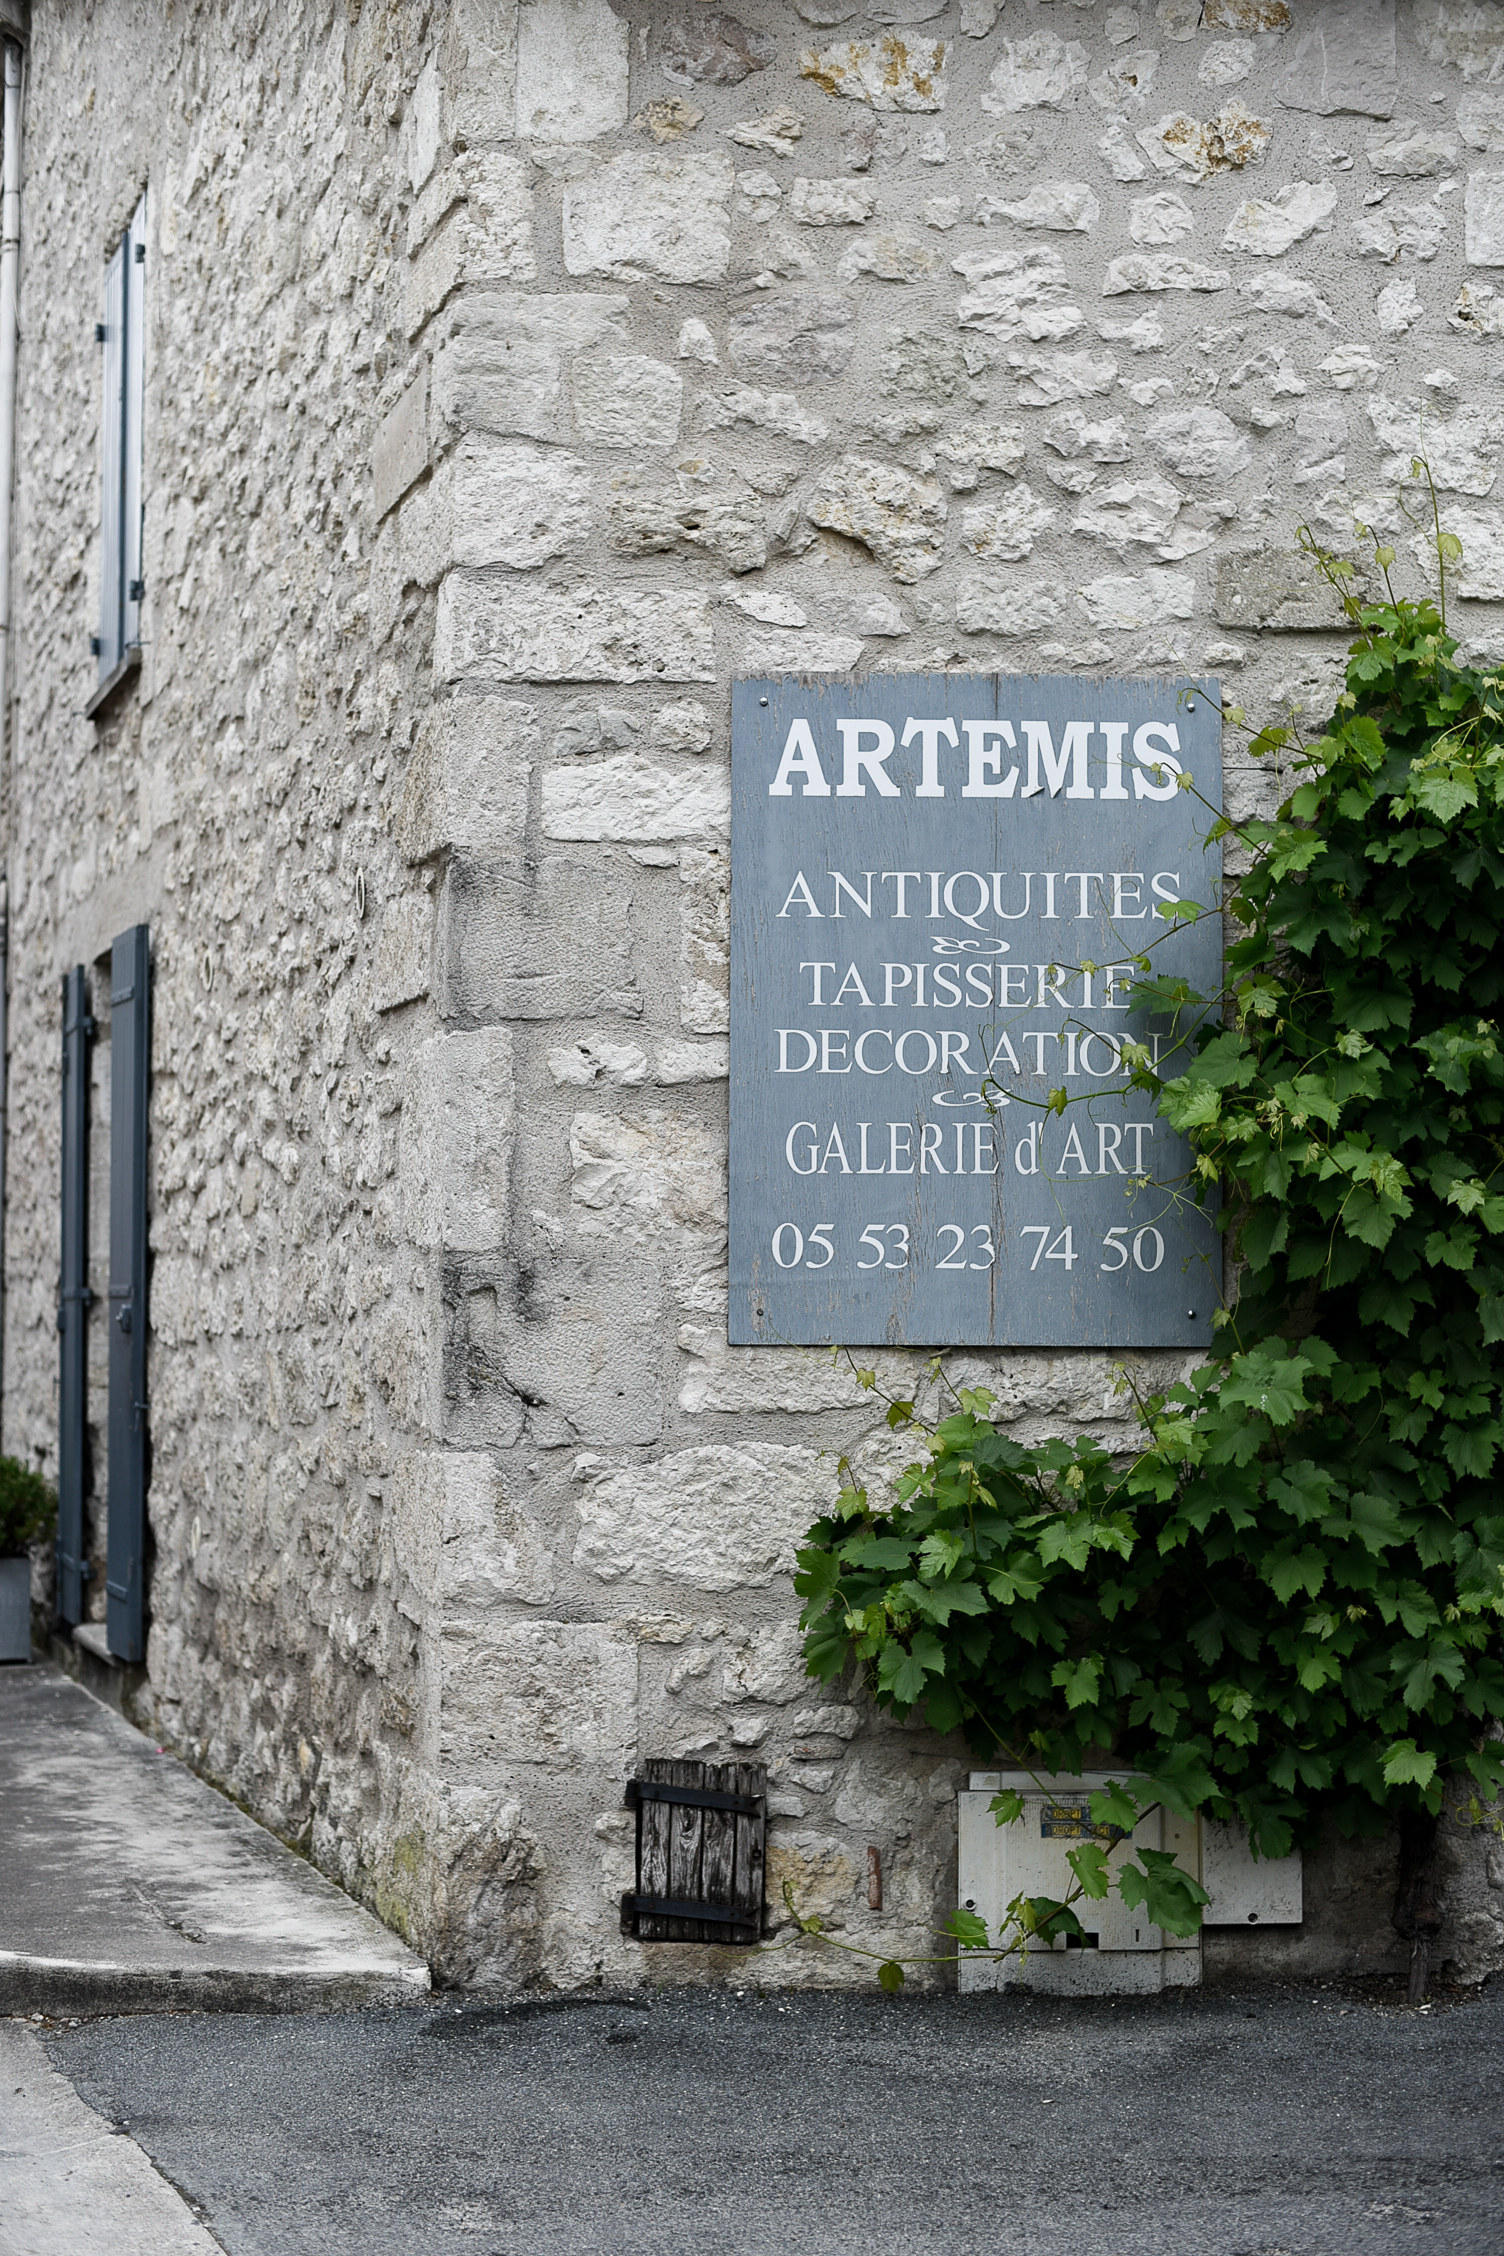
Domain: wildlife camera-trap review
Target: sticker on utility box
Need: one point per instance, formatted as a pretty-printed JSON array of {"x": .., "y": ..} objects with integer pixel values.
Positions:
[{"x": 1072, "y": 1821}]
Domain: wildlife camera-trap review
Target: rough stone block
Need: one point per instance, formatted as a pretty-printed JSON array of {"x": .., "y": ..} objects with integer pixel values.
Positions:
[
  {"x": 460, "y": 1538},
  {"x": 1485, "y": 219},
  {"x": 576, "y": 1335},
  {"x": 1044, "y": 379},
  {"x": 796, "y": 1381},
  {"x": 768, "y": 1667},
  {"x": 1346, "y": 61},
  {"x": 711, "y": 1519},
  {"x": 1009, "y": 607},
  {"x": 556, "y": 1695},
  {"x": 422, "y": 128},
  {"x": 888, "y": 254},
  {"x": 1320, "y": 448},
  {"x": 1150, "y": 270},
  {"x": 467, "y": 785},
  {"x": 1072, "y": 434},
  {"x": 509, "y": 501},
  {"x": 1004, "y": 531},
  {"x": 1165, "y": 218},
  {"x": 1480, "y": 121},
  {"x": 831, "y": 203},
  {"x": 506, "y": 384},
  {"x": 1465, "y": 35},
  {"x": 571, "y": 70},
  {"x": 1398, "y": 308},
  {"x": 1410, "y": 151},
  {"x": 1015, "y": 294},
  {"x": 724, "y": 519},
  {"x": 479, "y": 68},
  {"x": 1462, "y": 448},
  {"x": 1067, "y": 206},
  {"x": 629, "y": 799},
  {"x": 1246, "y": 15},
  {"x": 400, "y": 453},
  {"x": 458, "y": 1116},
  {"x": 899, "y": 516},
  {"x": 1140, "y": 599},
  {"x": 926, "y": 362},
  {"x": 891, "y": 72},
  {"x": 677, "y": 1063},
  {"x": 778, "y": 412},
  {"x": 1038, "y": 72},
  {"x": 705, "y": 940},
  {"x": 1479, "y": 576},
  {"x": 646, "y": 1179},
  {"x": 712, "y": 50},
  {"x": 864, "y": 610},
  {"x": 486, "y": 237},
  {"x": 1269, "y": 226},
  {"x": 486, "y": 632},
  {"x": 794, "y": 337},
  {"x": 1197, "y": 149},
  {"x": 1132, "y": 513},
  {"x": 651, "y": 218},
  {"x": 404, "y": 952},
  {"x": 596, "y": 1060},
  {"x": 502, "y": 366},
  {"x": 1199, "y": 442},
  {"x": 627, "y": 400},
  {"x": 1287, "y": 293},
  {"x": 1277, "y": 589},
  {"x": 538, "y": 940}
]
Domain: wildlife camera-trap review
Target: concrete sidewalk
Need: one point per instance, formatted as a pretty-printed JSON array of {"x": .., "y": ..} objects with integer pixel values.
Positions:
[
  {"x": 71, "y": 2182},
  {"x": 127, "y": 1885}
]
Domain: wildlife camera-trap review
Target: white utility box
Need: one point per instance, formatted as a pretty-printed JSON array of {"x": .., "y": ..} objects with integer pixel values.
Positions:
[{"x": 1124, "y": 1951}]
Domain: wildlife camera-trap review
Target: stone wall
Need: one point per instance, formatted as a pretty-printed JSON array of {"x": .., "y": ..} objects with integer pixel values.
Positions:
[{"x": 517, "y": 374}]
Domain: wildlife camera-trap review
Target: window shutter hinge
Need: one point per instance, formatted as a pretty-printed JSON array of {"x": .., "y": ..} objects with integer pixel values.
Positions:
[
  {"x": 99, "y": 332},
  {"x": 136, "y": 591},
  {"x": 94, "y": 646},
  {"x": 140, "y": 254}
]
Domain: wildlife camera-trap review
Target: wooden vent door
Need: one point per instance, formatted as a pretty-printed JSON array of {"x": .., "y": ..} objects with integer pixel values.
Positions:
[{"x": 700, "y": 1840}]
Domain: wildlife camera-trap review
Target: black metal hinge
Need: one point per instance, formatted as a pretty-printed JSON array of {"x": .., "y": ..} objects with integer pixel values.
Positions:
[
  {"x": 678, "y": 1907},
  {"x": 81, "y": 1294},
  {"x": 690, "y": 1797}
]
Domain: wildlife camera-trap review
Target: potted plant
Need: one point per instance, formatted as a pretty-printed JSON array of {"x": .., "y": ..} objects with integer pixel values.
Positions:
[{"x": 28, "y": 1507}]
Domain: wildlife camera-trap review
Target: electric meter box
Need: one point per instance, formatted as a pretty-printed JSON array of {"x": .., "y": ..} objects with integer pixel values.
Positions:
[{"x": 1123, "y": 1951}]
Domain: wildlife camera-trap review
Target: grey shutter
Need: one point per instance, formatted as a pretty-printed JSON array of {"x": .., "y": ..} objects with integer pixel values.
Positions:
[
  {"x": 73, "y": 1299},
  {"x": 130, "y": 1092},
  {"x": 112, "y": 462},
  {"x": 133, "y": 387}
]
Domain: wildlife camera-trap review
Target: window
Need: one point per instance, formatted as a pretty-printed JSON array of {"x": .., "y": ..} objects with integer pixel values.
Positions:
[{"x": 122, "y": 333}]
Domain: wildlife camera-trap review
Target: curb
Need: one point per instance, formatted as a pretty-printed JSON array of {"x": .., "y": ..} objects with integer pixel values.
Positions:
[{"x": 60, "y": 1987}]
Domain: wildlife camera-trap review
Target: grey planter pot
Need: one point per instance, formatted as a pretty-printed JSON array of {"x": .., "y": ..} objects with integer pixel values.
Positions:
[{"x": 15, "y": 1609}]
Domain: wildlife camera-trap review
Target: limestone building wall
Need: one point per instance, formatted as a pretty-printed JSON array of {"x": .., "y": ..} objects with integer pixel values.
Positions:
[{"x": 518, "y": 372}]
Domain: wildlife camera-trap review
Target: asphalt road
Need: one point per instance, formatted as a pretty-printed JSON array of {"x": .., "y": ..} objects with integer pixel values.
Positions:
[{"x": 1274, "y": 2124}]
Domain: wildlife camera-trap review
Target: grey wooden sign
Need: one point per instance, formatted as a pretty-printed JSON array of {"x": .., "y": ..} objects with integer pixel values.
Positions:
[{"x": 937, "y": 885}]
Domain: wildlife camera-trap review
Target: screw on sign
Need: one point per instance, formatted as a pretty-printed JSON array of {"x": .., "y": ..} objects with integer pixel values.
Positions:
[{"x": 943, "y": 891}]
